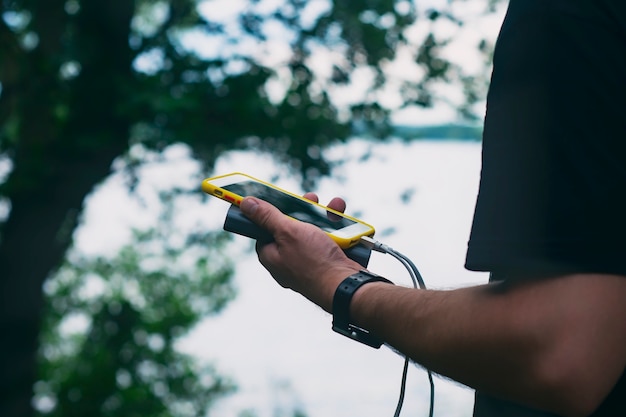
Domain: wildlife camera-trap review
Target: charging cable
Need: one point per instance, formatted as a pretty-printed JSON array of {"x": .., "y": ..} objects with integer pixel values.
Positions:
[{"x": 418, "y": 282}]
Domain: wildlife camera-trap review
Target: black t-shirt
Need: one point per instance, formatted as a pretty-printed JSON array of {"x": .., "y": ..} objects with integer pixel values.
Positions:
[{"x": 553, "y": 181}]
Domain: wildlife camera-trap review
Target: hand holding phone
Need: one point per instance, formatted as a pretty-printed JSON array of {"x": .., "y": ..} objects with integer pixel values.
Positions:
[
  {"x": 237, "y": 222},
  {"x": 302, "y": 257}
]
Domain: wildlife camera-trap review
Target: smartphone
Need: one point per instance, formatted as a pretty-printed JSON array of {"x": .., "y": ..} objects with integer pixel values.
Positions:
[{"x": 346, "y": 231}]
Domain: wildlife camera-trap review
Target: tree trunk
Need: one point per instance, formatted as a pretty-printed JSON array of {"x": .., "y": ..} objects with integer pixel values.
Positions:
[{"x": 60, "y": 156}]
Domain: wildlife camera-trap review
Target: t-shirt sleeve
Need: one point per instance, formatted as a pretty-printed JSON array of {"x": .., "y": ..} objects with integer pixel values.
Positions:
[{"x": 553, "y": 180}]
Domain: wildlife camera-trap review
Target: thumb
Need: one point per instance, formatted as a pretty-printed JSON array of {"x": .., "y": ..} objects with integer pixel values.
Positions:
[{"x": 262, "y": 213}]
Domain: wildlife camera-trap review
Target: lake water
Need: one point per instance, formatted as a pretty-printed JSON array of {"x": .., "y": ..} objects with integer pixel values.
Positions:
[{"x": 280, "y": 349}]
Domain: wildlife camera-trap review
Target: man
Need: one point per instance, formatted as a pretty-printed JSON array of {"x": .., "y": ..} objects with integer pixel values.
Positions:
[{"x": 547, "y": 335}]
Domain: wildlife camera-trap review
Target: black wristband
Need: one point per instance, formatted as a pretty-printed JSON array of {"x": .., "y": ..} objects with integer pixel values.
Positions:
[{"x": 341, "y": 308}]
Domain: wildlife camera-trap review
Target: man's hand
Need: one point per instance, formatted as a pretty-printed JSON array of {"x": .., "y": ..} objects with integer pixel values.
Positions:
[{"x": 302, "y": 257}]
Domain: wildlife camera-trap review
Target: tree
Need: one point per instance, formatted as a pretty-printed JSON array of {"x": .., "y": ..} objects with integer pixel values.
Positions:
[
  {"x": 88, "y": 83},
  {"x": 119, "y": 357}
]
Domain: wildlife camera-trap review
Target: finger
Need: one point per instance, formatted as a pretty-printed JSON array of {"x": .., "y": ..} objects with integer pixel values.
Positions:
[
  {"x": 312, "y": 197},
  {"x": 262, "y": 213},
  {"x": 338, "y": 204},
  {"x": 265, "y": 249}
]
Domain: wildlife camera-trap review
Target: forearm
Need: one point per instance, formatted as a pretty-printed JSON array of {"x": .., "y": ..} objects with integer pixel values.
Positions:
[
  {"x": 514, "y": 343},
  {"x": 459, "y": 333}
]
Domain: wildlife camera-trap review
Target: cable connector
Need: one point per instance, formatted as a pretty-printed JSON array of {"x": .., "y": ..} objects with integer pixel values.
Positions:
[{"x": 373, "y": 244}]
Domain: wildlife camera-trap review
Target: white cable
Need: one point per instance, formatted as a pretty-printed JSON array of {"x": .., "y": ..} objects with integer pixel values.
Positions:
[{"x": 418, "y": 282}]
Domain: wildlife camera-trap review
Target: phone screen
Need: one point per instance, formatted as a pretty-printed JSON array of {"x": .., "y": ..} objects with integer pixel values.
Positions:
[{"x": 291, "y": 206}]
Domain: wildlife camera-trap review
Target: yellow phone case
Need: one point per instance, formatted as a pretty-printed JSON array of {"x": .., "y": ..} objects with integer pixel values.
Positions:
[{"x": 233, "y": 198}]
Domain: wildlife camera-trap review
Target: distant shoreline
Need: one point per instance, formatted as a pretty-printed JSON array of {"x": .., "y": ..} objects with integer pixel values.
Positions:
[
  {"x": 441, "y": 132},
  {"x": 445, "y": 131}
]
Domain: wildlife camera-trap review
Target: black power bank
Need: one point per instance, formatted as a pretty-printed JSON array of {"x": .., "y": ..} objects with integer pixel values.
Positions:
[{"x": 237, "y": 223}]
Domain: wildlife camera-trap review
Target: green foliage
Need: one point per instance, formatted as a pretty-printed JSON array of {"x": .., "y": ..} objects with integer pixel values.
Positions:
[
  {"x": 111, "y": 327},
  {"x": 144, "y": 71}
]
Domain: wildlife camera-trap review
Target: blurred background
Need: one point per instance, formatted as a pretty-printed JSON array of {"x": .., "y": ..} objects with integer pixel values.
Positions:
[{"x": 120, "y": 295}]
